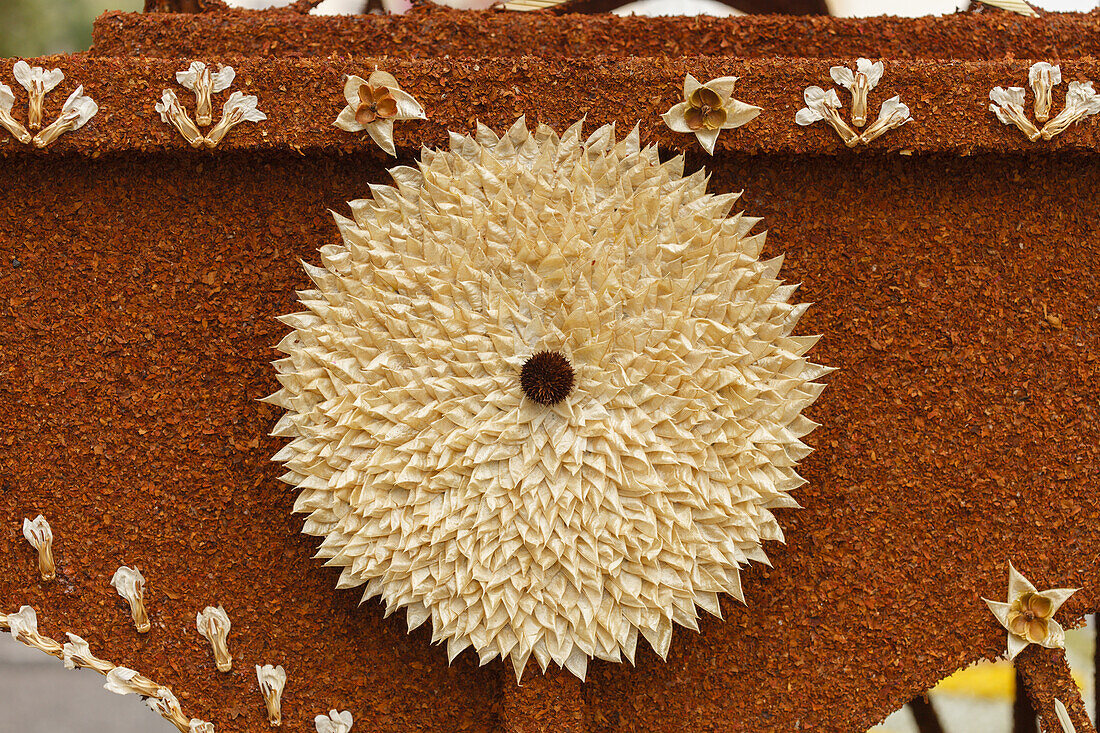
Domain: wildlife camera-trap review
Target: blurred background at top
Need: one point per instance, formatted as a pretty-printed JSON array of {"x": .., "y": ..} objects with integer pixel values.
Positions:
[{"x": 39, "y": 27}]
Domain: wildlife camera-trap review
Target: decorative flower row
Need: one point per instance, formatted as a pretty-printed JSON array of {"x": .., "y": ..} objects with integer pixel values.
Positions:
[
  {"x": 825, "y": 106},
  {"x": 1008, "y": 104},
  {"x": 212, "y": 624},
  {"x": 75, "y": 113}
]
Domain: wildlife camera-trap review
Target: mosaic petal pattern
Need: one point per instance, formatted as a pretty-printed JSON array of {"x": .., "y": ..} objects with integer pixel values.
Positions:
[{"x": 556, "y": 531}]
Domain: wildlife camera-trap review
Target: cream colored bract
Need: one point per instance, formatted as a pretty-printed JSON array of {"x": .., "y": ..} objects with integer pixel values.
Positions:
[{"x": 564, "y": 531}]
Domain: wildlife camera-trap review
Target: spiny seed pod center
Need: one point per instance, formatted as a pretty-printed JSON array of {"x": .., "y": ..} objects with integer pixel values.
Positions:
[{"x": 546, "y": 378}]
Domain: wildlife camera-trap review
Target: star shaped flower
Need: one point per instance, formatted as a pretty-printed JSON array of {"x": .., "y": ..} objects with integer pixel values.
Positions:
[
  {"x": 708, "y": 109},
  {"x": 1029, "y": 614},
  {"x": 374, "y": 104}
]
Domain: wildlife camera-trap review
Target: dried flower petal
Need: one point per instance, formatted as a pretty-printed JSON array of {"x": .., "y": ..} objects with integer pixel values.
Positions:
[
  {"x": 165, "y": 703},
  {"x": 126, "y": 681},
  {"x": 173, "y": 113},
  {"x": 334, "y": 722},
  {"x": 23, "y": 625},
  {"x": 824, "y": 105},
  {"x": 38, "y": 82},
  {"x": 39, "y": 534},
  {"x": 77, "y": 110},
  {"x": 859, "y": 83},
  {"x": 7, "y": 99},
  {"x": 130, "y": 584},
  {"x": 1043, "y": 78},
  {"x": 200, "y": 726},
  {"x": 213, "y": 624},
  {"x": 374, "y": 106},
  {"x": 1008, "y": 105},
  {"x": 76, "y": 653},
  {"x": 1081, "y": 102},
  {"x": 708, "y": 109},
  {"x": 199, "y": 79},
  {"x": 238, "y": 108},
  {"x": 1027, "y": 615},
  {"x": 272, "y": 680},
  {"x": 892, "y": 114}
]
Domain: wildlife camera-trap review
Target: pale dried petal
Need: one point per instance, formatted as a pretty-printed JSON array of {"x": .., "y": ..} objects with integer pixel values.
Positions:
[
  {"x": 383, "y": 79},
  {"x": 893, "y": 114},
  {"x": 272, "y": 680},
  {"x": 1008, "y": 106},
  {"x": 407, "y": 107},
  {"x": 346, "y": 120},
  {"x": 213, "y": 625},
  {"x": 173, "y": 113},
  {"x": 381, "y": 131},
  {"x": 130, "y": 584},
  {"x": 76, "y": 653},
  {"x": 334, "y": 722},
  {"x": 126, "y": 681},
  {"x": 77, "y": 110},
  {"x": 199, "y": 726},
  {"x": 39, "y": 534},
  {"x": 1063, "y": 717},
  {"x": 674, "y": 118},
  {"x": 38, "y": 82},
  {"x": 351, "y": 90},
  {"x": 873, "y": 71},
  {"x": 1081, "y": 102},
  {"x": 165, "y": 703},
  {"x": 723, "y": 87},
  {"x": 1043, "y": 78},
  {"x": 238, "y": 108}
]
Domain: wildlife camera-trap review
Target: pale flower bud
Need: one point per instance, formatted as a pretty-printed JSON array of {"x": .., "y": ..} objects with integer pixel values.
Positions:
[
  {"x": 130, "y": 584},
  {"x": 213, "y": 624},
  {"x": 77, "y": 111},
  {"x": 238, "y": 108},
  {"x": 37, "y": 81},
  {"x": 39, "y": 534},
  {"x": 865, "y": 78},
  {"x": 173, "y": 114},
  {"x": 1008, "y": 105},
  {"x": 822, "y": 105},
  {"x": 272, "y": 680},
  {"x": 76, "y": 653}
]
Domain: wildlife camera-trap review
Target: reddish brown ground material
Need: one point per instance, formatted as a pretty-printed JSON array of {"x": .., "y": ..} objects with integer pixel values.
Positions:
[
  {"x": 437, "y": 32},
  {"x": 958, "y": 296}
]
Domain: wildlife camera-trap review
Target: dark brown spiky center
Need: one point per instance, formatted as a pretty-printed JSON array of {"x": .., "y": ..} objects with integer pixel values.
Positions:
[{"x": 546, "y": 378}]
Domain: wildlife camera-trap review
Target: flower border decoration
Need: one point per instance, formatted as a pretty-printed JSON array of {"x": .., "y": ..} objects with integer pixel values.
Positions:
[
  {"x": 1028, "y": 614},
  {"x": 198, "y": 78},
  {"x": 822, "y": 105},
  {"x": 1008, "y": 103}
]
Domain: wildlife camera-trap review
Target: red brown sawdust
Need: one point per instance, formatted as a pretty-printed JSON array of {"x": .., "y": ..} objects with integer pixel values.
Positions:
[{"x": 962, "y": 430}]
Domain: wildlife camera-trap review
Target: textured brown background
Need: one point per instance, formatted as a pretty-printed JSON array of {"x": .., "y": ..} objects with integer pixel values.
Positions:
[{"x": 137, "y": 302}]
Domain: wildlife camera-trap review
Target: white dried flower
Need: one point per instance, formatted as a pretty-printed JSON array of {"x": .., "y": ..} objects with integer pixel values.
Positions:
[
  {"x": 126, "y": 681},
  {"x": 1028, "y": 614},
  {"x": 200, "y": 726},
  {"x": 825, "y": 105},
  {"x": 272, "y": 680},
  {"x": 165, "y": 703},
  {"x": 76, "y": 653},
  {"x": 374, "y": 104},
  {"x": 1063, "y": 717},
  {"x": 708, "y": 109},
  {"x": 130, "y": 584},
  {"x": 1081, "y": 102},
  {"x": 238, "y": 108},
  {"x": 4, "y": 621},
  {"x": 1043, "y": 78},
  {"x": 39, "y": 534},
  {"x": 23, "y": 625},
  {"x": 7, "y": 100},
  {"x": 334, "y": 722},
  {"x": 203, "y": 82},
  {"x": 172, "y": 113},
  {"x": 1008, "y": 105},
  {"x": 893, "y": 113},
  {"x": 213, "y": 624},
  {"x": 576, "y": 344},
  {"x": 865, "y": 78},
  {"x": 75, "y": 113},
  {"x": 38, "y": 82}
]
